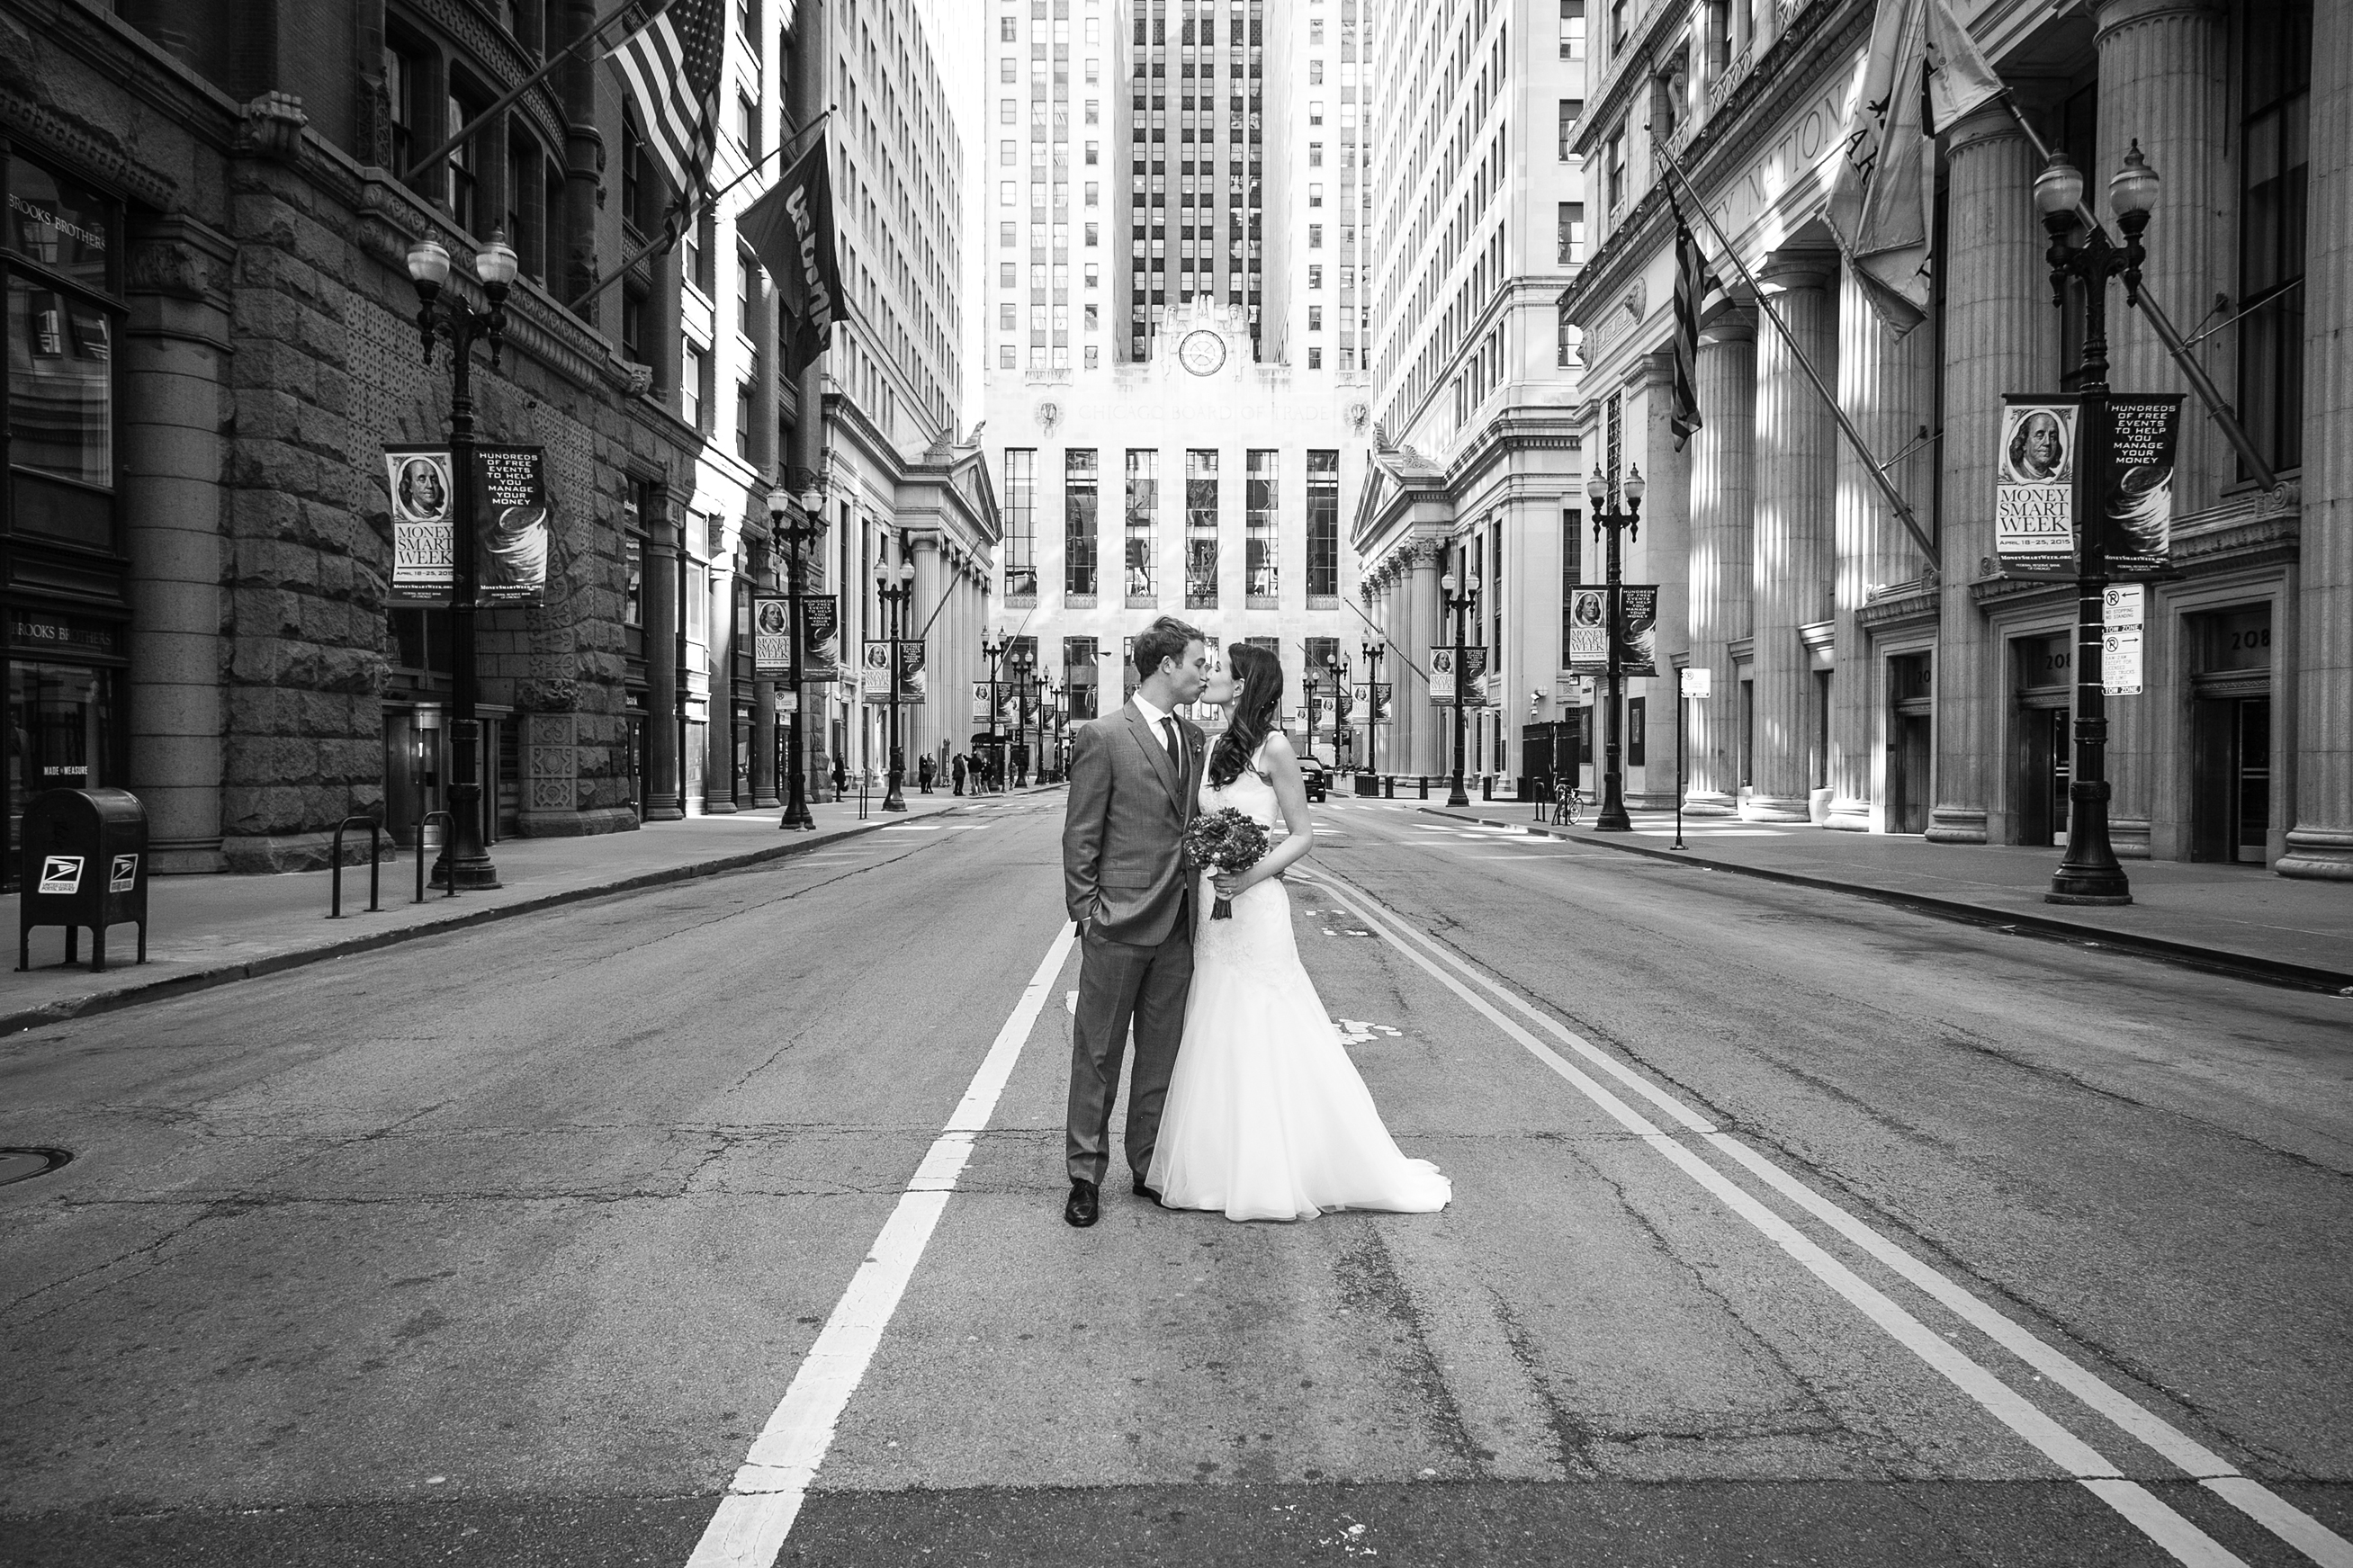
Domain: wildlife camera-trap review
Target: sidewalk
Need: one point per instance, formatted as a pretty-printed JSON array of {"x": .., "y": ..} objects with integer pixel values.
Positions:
[
  {"x": 2240, "y": 918},
  {"x": 207, "y": 931}
]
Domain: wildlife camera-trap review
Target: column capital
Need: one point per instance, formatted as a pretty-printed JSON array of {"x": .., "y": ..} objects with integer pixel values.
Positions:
[
  {"x": 1731, "y": 322},
  {"x": 2110, "y": 17},
  {"x": 1984, "y": 126},
  {"x": 1786, "y": 270}
]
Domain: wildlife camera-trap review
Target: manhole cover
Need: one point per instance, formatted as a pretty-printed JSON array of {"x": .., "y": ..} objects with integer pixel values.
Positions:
[{"x": 20, "y": 1164}]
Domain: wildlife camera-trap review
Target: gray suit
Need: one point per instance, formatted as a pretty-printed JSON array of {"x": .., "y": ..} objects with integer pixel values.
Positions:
[{"x": 1126, "y": 882}]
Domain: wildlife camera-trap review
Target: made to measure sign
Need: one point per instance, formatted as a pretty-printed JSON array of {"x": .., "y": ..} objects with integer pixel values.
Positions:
[{"x": 2034, "y": 484}]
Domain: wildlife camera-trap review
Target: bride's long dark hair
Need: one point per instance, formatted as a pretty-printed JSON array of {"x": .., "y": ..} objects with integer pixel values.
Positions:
[{"x": 1258, "y": 702}]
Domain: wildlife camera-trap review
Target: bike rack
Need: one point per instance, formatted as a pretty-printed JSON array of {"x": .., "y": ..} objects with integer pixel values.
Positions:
[
  {"x": 375, "y": 863},
  {"x": 448, "y": 843}
]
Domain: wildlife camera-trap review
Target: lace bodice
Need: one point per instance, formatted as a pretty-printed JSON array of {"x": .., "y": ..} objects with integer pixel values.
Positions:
[{"x": 1249, "y": 794}]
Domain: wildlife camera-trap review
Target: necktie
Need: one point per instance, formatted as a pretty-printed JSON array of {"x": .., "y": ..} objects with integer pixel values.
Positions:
[{"x": 1169, "y": 729}]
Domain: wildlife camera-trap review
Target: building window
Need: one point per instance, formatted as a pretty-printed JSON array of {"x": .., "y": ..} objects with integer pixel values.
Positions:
[
  {"x": 1314, "y": 276},
  {"x": 633, "y": 324},
  {"x": 743, "y": 420},
  {"x": 404, "y": 78},
  {"x": 1572, "y": 29},
  {"x": 1143, "y": 511},
  {"x": 1572, "y": 568},
  {"x": 1079, "y": 521},
  {"x": 1323, "y": 524},
  {"x": 746, "y": 291},
  {"x": 1617, "y": 169},
  {"x": 633, "y": 579},
  {"x": 1315, "y": 358},
  {"x": 1315, "y": 318},
  {"x": 460, "y": 193},
  {"x": 1569, "y": 235},
  {"x": 61, "y": 406},
  {"x": 694, "y": 364},
  {"x": 1020, "y": 530},
  {"x": 1565, "y": 341},
  {"x": 1080, "y": 675},
  {"x": 1314, "y": 236},
  {"x": 1572, "y": 110},
  {"x": 1201, "y": 529},
  {"x": 1314, "y": 112},
  {"x": 2277, "y": 92},
  {"x": 1260, "y": 519}
]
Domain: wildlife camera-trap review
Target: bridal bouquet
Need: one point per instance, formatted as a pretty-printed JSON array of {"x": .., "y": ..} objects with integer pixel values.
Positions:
[{"x": 1226, "y": 840}]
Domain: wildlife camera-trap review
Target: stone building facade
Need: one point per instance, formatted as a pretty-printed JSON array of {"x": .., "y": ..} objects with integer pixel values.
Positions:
[
  {"x": 1478, "y": 206},
  {"x": 214, "y": 335},
  {"x": 1859, "y": 680}
]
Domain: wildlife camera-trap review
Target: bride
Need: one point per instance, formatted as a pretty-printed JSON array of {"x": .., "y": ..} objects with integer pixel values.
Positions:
[{"x": 1266, "y": 1118}]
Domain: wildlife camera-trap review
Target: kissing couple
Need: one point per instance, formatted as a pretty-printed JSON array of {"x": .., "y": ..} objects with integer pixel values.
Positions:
[{"x": 1243, "y": 1099}]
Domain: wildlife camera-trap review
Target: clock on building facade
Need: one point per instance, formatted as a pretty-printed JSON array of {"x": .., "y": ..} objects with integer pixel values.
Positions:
[{"x": 1202, "y": 353}]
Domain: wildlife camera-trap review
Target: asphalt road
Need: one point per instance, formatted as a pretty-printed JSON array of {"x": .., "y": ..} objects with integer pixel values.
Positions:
[{"x": 1787, "y": 1229}]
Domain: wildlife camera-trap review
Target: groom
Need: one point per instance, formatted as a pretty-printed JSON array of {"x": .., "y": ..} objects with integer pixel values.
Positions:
[{"x": 1134, "y": 780}]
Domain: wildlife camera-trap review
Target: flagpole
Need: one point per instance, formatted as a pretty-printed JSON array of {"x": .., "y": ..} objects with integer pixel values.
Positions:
[
  {"x": 2162, "y": 325},
  {"x": 674, "y": 222},
  {"x": 533, "y": 81},
  {"x": 1854, "y": 437}
]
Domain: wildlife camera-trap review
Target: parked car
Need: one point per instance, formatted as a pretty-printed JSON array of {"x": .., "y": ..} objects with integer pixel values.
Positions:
[{"x": 1317, "y": 777}]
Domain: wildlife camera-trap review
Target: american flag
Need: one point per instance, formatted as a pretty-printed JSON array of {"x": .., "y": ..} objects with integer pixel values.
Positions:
[
  {"x": 1691, "y": 288},
  {"x": 671, "y": 67}
]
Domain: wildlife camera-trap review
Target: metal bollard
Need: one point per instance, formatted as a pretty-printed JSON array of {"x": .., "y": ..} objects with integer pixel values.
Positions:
[
  {"x": 1486, "y": 787},
  {"x": 449, "y": 842},
  {"x": 1389, "y": 787},
  {"x": 1423, "y": 780},
  {"x": 375, "y": 863}
]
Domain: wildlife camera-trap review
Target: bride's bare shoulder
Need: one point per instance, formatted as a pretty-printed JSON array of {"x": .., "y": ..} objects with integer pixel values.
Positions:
[{"x": 1278, "y": 753}]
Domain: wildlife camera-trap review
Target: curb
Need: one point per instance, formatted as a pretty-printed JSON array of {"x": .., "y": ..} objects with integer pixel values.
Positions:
[
  {"x": 2244, "y": 966},
  {"x": 458, "y": 919}
]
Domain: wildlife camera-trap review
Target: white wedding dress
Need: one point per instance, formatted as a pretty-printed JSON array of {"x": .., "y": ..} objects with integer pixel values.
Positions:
[{"x": 1266, "y": 1117}]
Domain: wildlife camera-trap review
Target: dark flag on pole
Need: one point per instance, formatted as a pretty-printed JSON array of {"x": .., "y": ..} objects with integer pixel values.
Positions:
[
  {"x": 1691, "y": 285},
  {"x": 791, "y": 230}
]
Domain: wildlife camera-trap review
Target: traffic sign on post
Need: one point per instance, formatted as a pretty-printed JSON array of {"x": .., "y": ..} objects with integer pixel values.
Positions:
[{"x": 1696, "y": 682}]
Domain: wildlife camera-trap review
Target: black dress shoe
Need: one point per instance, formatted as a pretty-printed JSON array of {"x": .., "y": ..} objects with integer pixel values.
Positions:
[
  {"x": 1081, "y": 1210},
  {"x": 1143, "y": 1191}
]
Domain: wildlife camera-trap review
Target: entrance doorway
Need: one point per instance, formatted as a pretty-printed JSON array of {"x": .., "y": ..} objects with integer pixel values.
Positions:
[
  {"x": 2040, "y": 753},
  {"x": 2231, "y": 736},
  {"x": 1908, "y": 749}
]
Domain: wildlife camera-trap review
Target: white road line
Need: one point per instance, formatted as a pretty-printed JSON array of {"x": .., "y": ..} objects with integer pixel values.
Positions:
[
  {"x": 766, "y": 1495},
  {"x": 2161, "y": 1523}
]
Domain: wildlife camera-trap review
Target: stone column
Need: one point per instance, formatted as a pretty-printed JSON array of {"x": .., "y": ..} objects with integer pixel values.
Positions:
[
  {"x": 174, "y": 371},
  {"x": 1663, "y": 556},
  {"x": 665, "y": 797},
  {"x": 1423, "y": 610},
  {"x": 1790, "y": 571},
  {"x": 719, "y": 612},
  {"x": 2165, "y": 81},
  {"x": 2000, "y": 335},
  {"x": 1883, "y": 386},
  {"x": 1722, "y": 485},
  {"x": 921, "y": 729},
  {"x": 2320, "y": 785}
]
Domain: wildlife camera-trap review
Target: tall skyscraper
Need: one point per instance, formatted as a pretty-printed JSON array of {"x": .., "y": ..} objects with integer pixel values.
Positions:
[{"x": 1177, "y": 198}]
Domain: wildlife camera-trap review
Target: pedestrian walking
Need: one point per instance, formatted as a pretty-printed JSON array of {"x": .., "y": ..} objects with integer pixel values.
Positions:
[
  {"x": 840, "y": 780},
  {"x": 955, "y": 772},
  {"x": 924, "y": 773}
]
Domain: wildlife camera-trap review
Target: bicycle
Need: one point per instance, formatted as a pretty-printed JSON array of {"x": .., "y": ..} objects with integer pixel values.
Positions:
[{"x": 1567, "y": 802}]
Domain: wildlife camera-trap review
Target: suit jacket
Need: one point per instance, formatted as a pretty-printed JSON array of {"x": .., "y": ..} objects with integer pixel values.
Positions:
[{"x": 1123, "y": 837}]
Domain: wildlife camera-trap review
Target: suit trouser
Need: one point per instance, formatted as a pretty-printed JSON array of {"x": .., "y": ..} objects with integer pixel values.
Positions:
[{"x": 1119, "y": 983}]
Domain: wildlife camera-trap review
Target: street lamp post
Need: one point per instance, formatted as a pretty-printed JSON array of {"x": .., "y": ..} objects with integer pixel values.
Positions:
[
  {"x": 1021, "y": 662},
  {"x": 1459, "y": 606},
  {"x": 1336, "y": 669},
  {"x": 2088, "y": 873},
  {"x": 1312, "y": 684},
  {"x": 1602, "y": 489},
  {"x": 1372, "y": 652},
  {"x": 465, "y": 862},
  {"x": 783, "y": 505},
  {"x": 894, "y": 588},
  {"x": 995, "y": 653}
]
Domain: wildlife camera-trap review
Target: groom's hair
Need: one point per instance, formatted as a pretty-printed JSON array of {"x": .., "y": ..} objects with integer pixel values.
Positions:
[{"x": 1164, "y": 639}]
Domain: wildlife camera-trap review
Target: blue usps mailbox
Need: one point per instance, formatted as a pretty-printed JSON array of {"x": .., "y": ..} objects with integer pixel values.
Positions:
[{"x": 85, "y": 865}]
